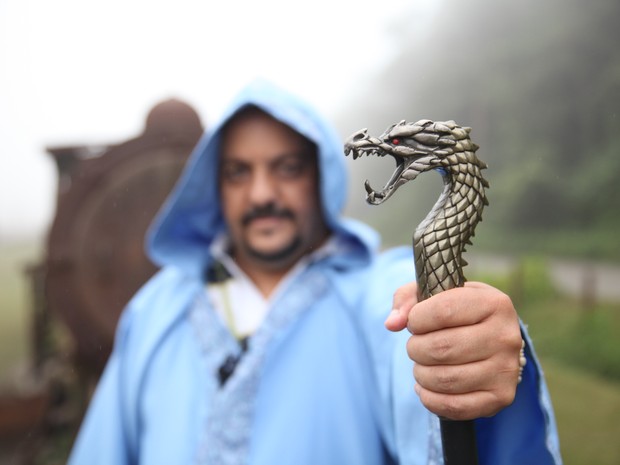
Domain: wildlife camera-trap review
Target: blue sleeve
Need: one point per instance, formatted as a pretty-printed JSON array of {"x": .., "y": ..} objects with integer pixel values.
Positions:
[
  {"x": 111, "y": 432},
  {"x": 524, "y": 432},
  {"x": 103, "y": 437}
]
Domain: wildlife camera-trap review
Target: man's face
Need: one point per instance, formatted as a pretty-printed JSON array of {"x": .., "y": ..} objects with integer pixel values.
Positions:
[{"x": 269, "y": 189}]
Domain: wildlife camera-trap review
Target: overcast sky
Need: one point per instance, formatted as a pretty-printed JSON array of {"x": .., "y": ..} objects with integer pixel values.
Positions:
[{"x": 85, "y": 72}]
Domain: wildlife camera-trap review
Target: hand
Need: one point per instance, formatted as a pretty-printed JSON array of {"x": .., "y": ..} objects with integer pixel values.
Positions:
[{"x": 465, "y": 344}]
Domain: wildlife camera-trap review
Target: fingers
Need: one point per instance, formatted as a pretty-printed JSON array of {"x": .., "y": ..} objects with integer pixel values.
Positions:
[
  {"x": 451, "y": 379},
  {"x": 468, "y": 406},
  {"x": 493, "y": 339},
  {"x": 463, "y": 379},
  {"x": 458, "y": 307},
  {"x": 465, "y": 344},
  {"x": 452, "y": 346},
  {"x": 464, "y": 392},
  {"x": 405, "y": 298}
]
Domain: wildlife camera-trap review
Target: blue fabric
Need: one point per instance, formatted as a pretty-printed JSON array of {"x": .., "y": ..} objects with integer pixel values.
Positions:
[{"x": 322, "y": 382}]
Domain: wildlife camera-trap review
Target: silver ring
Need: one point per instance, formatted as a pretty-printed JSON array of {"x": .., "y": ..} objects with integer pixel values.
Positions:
[{"x": 522, "y": 361}]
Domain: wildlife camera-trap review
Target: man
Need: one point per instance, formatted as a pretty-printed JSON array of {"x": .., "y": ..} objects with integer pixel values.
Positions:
[{"x": 261, "y": 341}]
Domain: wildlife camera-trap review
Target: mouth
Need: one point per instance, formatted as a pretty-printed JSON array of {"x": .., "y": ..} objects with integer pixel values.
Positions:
[
  {"x": 265, "y": 222},
  {"x": 375, "y": 197},
  {"x": 360, "y": 143},
  {"x": 267, "y": 214}
]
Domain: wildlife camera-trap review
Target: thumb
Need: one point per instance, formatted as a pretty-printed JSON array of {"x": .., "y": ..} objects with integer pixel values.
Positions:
[
  {"x": 404, "y": 299},
  {"x": 396, "y": 320}
]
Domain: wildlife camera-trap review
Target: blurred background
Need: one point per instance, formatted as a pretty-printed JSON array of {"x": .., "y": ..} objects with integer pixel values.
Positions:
[{"x": 100, "y": 104}]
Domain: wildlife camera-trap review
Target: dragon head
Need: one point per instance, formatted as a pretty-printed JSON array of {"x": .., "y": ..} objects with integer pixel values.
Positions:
[{"x": 416, "y": 147}]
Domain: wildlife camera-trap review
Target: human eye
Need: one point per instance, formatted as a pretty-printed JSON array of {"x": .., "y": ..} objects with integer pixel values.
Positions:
[
  {"x": 234, "y": 172},
  {"x": 291, "y": 167}
]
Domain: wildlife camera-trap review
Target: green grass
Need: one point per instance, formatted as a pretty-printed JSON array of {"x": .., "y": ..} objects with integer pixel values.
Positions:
[
  {"x": 15, "y": 301},
  {"x": 587, "y": 410},
  {"x": 564, "y": 328}
]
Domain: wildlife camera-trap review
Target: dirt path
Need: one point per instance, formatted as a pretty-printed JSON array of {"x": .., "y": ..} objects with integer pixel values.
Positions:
[
  {"x": 575, "y": 278},
  {"x": 596, "y": 281}
]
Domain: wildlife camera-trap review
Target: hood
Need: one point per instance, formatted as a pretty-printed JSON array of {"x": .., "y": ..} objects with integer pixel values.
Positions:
[{"x": 191, "y": 216}]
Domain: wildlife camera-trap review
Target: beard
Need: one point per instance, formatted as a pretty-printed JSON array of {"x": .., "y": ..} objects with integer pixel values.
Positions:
[{"x": 278, "y": 256}]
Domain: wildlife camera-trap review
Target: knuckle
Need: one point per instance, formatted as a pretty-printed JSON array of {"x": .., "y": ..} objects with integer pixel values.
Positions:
[
  {"x": 445, "y": 313},
  {"x": 445, "y": 405},
  {"x": 510, "y": 337},
  {"x": 441, "y": 349},
  {"x": 503, "y": 303},
  {"x": 452, "y": 408},
  {"x": 446, "y": 380},
  {"x": 498, "y": 401}
]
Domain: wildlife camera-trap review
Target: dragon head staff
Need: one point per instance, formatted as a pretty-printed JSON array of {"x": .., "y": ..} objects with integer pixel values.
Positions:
[{"x": 416, "y": 148}]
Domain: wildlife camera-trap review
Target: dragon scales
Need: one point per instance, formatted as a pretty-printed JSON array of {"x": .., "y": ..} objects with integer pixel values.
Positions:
[{"x": 440, "y": 239}]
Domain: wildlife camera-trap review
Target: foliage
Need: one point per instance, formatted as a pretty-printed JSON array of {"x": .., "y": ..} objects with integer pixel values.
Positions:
[
  {"x": 539, "y": 83},
  {"x": 565, "y": 329},
  {"x": 14, "y": 304},
  {"x": 601, "y": 244}
]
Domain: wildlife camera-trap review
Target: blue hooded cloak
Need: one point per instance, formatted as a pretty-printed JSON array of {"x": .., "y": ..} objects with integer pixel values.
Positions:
[{"x": 322, "y": 381}]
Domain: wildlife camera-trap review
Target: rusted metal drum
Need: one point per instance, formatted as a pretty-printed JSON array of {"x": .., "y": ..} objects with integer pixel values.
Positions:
[{"x": 107, "y": 198}]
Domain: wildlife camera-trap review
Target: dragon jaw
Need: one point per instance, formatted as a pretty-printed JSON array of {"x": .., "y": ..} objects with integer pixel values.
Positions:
[
  {"x": 440, "y": 239},
  {"x": 412, "y": 157}
]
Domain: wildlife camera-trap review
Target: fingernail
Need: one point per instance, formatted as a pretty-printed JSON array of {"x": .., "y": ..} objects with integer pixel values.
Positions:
[
  {"x": 393, "y": 314},
  {"x": 416, "y": 388}
]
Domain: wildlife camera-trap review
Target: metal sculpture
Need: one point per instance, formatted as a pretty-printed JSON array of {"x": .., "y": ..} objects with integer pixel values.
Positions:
[
  {"x": 107, "y": 198},
  {"x": 440, "y": 239}
]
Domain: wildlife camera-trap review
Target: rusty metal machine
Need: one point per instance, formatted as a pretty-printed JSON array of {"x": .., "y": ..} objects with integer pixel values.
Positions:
[
  {"x": 107, "y": 197},
  {"x": 93, "y": 263}
]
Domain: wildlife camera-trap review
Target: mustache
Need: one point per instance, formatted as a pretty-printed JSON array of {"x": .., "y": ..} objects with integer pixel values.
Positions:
[{"x": 266, "y": 211}]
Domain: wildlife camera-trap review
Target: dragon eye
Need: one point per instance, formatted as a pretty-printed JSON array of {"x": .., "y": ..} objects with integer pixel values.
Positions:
[{"x": 395, "y": 141}]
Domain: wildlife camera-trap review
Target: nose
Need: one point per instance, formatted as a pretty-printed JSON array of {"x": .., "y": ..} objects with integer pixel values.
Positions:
[
  {"x": 263, "y": 189},
  {"x": 359, "y": 135}
]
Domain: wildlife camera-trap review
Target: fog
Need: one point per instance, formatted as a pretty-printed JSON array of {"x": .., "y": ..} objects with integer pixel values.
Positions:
[{"x": 76, "y": 72}]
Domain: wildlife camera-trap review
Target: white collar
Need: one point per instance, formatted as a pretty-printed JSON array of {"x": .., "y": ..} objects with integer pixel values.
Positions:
[{"x": 238, "y": 301}]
